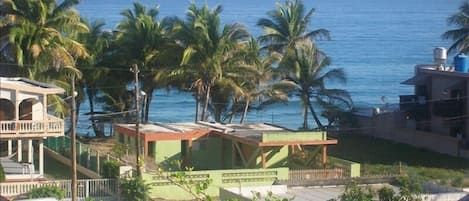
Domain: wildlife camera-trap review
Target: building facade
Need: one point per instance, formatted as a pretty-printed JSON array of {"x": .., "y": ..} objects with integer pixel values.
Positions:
[{"x": 24, "y": 124}]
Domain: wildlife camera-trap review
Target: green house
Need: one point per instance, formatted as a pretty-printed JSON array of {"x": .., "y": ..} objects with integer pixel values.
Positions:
[{"x": 214, "y": 146}]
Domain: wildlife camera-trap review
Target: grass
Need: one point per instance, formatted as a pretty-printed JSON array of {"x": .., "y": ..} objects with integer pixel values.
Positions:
[{"x": 379, "y": 156}]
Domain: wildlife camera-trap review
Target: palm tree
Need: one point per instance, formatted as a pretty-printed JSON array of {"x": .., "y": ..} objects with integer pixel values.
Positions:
[
  {"x": 42, "y": 35},
  {"x": 459, "y": 35},
  {"x": 305, "y": 69},
  {"x": 209, "y": 49},
  {"x": 287, "y": 25},
  {"x": 41, "y": 40},
  {"x": 143, "y": 41},
  {"x": 259, "y": 87},
  {"x": 96, "y": 42}
]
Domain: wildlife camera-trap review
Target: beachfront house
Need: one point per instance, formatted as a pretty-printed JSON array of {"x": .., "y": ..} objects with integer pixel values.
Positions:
[
  {"x": 24, "y": 125},
  {"x": 435, "y": 116},
  {"x": 231, "y": 155},
  {"x": 212, "y": 146}
]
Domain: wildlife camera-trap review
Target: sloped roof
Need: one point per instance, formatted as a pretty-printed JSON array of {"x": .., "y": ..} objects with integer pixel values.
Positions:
[{"x": 27, "y": 85}]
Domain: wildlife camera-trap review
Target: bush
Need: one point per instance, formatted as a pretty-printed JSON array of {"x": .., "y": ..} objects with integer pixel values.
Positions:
[
  {"x": 134, "y": 189},
  {"x": 2, "y": 174},
  {"x": 111, "y": 169},
  {"x": 47, "y": 192},
  {"x": 386, "y": 194}
]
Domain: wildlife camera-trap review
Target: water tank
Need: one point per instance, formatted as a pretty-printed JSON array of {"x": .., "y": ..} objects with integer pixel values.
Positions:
[
  {"x": 439, "y": 56},
  {"x": 461, "y": 63}
]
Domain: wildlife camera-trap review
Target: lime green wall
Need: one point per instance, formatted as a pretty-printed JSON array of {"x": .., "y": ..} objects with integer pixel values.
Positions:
[
  {"x": 160, "y": 187},
  {"x": 293, "y": 136},
  {"x": 167, "y": 151}
]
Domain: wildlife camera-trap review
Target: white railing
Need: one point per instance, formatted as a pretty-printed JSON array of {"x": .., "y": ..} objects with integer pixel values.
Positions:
[
  {"x": 51, "y": 125},
  {"x": 96, "y": 188}
]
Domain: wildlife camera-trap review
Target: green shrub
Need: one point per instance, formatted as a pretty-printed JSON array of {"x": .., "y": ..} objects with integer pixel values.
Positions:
[
  {"x": 47, "y": 191},
  {"x": 119, "y": 149},
  {"x": 386, "y": 194},
  {"x": 111, "y": 169},
  {"x": 2, "y": 174},
  {"x": 134, "y": 189}
]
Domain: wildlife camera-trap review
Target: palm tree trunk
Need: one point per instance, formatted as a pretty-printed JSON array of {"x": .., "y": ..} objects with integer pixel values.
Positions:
[
  {"x": 245, "y": 112},
  {"x": 207, "y": 97},
  {"x": 305, "y": 111},
  {"x": 315, "y": 116},
  {"x": 91, "y": 91},
  {"x": 197, "y": 100},
  {"x": 148, "y": 99},
  {"x": 233, "y": 110}
]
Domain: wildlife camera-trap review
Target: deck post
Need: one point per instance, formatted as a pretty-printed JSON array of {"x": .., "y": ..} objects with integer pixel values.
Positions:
[
  {"x": 97, "y": 162},
  {"x": 324, "y": 155},
  {"x": 30, "y": 151},
  {"x": 263, "y": 157},
  {"x": 19, "y": 151},
  {"x": 41, "y": 157},
  {"x": 189, "y": 153},
  {"x": 10, "y": 147}
]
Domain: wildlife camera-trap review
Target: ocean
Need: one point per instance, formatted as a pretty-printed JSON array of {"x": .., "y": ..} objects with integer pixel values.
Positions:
[{"x": 377, "y": 42}]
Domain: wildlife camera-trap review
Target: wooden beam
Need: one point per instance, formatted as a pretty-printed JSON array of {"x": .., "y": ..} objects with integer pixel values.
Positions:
[
  {"x": 314, "y": 142},
  {"x": 240, "y": 152},
  {"x": 189, "y": 153},
  {"x": 253, "y": 156},
  {"x": 263, "y": 157},
  {"x": 324, "y": 155}
]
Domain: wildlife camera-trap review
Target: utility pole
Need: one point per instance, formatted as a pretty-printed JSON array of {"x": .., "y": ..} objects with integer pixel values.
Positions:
[
  {"x": 72, "y": 141},
  {"x": 135, "y": 70}
]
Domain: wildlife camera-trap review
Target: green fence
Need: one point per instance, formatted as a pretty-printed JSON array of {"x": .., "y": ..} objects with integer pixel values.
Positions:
[
  {"x": 162, "y": 187},
  {"x": 86, "y": 156}
]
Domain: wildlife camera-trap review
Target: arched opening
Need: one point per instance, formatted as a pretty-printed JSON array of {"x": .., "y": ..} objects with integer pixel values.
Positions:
[
  {"x": 7, "y": 110},
  {"x": 26, "y": 109}
]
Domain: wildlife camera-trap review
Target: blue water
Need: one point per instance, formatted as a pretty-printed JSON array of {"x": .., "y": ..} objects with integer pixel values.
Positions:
[{"x": 377, "y": 42}]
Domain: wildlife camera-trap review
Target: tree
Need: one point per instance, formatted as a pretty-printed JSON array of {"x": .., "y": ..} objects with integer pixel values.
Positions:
[
  {"x": 209, "y": 49},
  {"x": 143, "y": 40},
  {"x": 96, "y": 42},
  {"x": 42, "y": 35},
  {"x": 260, "y": 88},
  {"x": 459, "y": 35},
  {"x": 306, "y": 70},
  {"x": 42, "y": 41},
  {"x": 287, "y": 25}
]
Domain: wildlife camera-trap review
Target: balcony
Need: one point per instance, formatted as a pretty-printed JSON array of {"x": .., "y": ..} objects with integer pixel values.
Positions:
[{"x": 52, "y": 127}]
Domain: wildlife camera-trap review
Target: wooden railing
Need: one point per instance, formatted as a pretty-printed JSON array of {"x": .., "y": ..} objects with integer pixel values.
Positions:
[
  {"x": 52, "y": 125},
  {"x": 316, "y": 174},
  {"x": 103, "y": 189}
]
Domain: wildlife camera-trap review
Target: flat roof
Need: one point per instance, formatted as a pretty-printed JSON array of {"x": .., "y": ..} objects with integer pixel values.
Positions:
[
  {"x": 432, "y": 69},
  {"x": 260, "y": 134},
  {"x": 24, "y": 84}
]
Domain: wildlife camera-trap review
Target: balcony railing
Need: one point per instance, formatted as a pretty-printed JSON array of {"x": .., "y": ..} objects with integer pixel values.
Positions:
[{"x": 52, "y": 126}]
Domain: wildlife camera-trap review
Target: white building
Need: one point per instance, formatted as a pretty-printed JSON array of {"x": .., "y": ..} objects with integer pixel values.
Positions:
[{"x": 24, "y": 124}]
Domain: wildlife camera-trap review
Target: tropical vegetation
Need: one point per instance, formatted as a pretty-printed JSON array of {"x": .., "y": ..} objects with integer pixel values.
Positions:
[
  {"x": 460, "y": 33},
  {"x": 227, "y": 70}
]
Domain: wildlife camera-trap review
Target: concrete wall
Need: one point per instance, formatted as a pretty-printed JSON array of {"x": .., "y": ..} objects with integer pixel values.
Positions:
[
  {"x": 384, "y": 126},
  {"x": 161, "y": 187}
]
